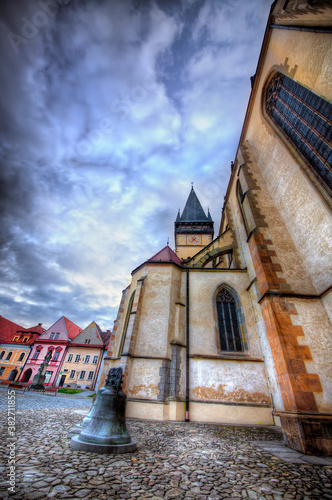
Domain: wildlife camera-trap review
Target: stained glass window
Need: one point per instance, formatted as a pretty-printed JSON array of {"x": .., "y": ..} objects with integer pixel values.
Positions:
[
  {"x": 305, "y": 120},
  {"x": 229, "y": 331}
]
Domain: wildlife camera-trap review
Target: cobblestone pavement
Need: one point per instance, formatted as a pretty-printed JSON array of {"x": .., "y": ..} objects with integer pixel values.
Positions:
[
  {"x": 173, "y": 461},
  {"x": 38, "y": 401}
]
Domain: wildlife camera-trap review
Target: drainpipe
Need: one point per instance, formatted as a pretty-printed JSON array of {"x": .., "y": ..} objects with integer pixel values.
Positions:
[{"x": 187, "y": 419}]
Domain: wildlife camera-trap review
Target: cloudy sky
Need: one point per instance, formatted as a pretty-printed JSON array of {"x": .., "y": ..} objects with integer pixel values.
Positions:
[{"x": 109, "y": 110}]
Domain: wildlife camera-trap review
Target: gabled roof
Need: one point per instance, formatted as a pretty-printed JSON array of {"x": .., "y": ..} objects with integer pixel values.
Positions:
[
  {"x": 67, "y": 329},
  {"x": 92, "y": 333},
  {"x": 72, "y": 329},
  {"x": 193, "y": 211},
  {"x": 166, "y": 255}
]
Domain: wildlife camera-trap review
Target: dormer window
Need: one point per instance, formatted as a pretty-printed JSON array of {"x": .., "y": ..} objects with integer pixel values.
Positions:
[
  {"x": 52, "y": 335},
  {"x": 57, "y": 335},
  {"x": 87, "y": 341},
  {"x": 16, "y": 337}
]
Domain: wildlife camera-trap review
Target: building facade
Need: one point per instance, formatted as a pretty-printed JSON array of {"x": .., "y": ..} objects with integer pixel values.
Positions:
[
  {"x": 84, "y": 359},
  {"x": 55, "y": 339},
  {"x": 237, "y": 329}
]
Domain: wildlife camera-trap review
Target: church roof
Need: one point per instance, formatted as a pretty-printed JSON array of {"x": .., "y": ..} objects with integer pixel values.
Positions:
[
  {"x": 166, "y": 255},
  {"x": 193, "y": 211}
]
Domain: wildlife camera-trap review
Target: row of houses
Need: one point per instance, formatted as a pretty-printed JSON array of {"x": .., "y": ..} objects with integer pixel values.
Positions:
[{"x": 77, "y": 355}]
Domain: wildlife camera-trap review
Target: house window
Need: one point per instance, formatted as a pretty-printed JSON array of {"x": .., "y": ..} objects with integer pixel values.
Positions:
[
  {"x": 70, "y": 357},
  {"x": 77, "y": 358},
  {"x": 2, "y": 354},
  {"x": 35, "y": 356},
  {"x": 304, "y": 118},
  {"x": 25, "y": 339},
  {"x": 90, "y": 376},
  {"x": 16, "y": 337},
  {"x": 95, "y": 360},
  {"x": 21, "y": 356},
  {"x": 72, "y": 374},
  {"x": 229, "y": 320},
  {"x": 56, "y": 356},
  {"x": 9, "y": 355},
  {"x": 87, "y": 359},
  {"x": 52, "y": 335},
  {"x": 87, "y": 341},
  {"x": 82, "y": 375},
  {"x": 2, "y": 369},
  {"x": 57, "y": 335}
]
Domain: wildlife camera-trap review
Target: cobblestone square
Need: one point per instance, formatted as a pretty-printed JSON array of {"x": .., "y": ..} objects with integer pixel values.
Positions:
[{"x": 173, "y": 460}]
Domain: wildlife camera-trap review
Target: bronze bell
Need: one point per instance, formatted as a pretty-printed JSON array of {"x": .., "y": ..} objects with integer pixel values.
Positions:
[{"x": 106, "y": 432}]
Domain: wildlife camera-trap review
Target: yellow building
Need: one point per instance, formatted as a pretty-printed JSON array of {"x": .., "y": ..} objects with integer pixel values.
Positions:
[
  {"x": 239, "y": 330},
  {"x": 84, "y": 359}
]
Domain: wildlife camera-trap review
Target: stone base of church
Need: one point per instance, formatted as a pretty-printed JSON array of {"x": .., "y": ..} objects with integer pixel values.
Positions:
[
  {"x": 307, "y": 433},
  {"x": 230, "y": 414},
  {"x": 200, "y": 412},
  {"x": 156, "y": 410}
]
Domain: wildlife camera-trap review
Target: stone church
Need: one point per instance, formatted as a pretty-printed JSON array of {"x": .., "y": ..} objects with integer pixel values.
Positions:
[{"x": 236, "y": 327}]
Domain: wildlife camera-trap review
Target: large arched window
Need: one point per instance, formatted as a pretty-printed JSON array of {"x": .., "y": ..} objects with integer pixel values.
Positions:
[
  {"x": 126, "y": 323},
  {"x": 230, "y": 321},
  {"x": 304, "y": 119}
]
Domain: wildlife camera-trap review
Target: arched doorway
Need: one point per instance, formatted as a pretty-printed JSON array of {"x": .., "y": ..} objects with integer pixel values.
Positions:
[
  {"x": 27, "y": 375},
  {"x": 13, "y": 375}
]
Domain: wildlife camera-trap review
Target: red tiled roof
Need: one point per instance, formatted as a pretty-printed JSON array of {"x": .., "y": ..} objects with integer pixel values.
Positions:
[
  {"x": 166, "y": 255},
  {"x": 8, "y": 329},
  {"x": 72, "y": 329},
  {"x": 35, "y": 329}
]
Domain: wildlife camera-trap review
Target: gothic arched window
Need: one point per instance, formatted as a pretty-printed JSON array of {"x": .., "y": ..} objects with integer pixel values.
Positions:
[
  {"x": 126, "y": 323},
  {"x": 230, "y": 321},
  {"x": 304, "y": 119}
]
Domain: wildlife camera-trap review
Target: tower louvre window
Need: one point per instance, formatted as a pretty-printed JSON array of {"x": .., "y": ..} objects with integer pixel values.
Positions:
[
  {"x": 305, "y": 120},
  {"x": 228, "y": 322}
]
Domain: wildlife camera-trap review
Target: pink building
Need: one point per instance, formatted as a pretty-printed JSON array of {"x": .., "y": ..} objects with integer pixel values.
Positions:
[{"x": 56, "y": 339}]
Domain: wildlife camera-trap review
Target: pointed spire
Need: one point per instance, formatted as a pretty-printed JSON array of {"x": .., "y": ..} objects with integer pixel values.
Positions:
[
  {"x": 209, "y": 216},
  {"x": 193, "y": 211},
  {"x": 178, "y": 217}
]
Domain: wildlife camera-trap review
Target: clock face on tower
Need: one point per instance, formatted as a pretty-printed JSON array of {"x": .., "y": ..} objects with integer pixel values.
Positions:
[{"x": 194, "y": 239}]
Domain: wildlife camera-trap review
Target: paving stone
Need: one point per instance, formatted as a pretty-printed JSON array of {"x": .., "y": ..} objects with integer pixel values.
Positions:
[{"x": 174, "y": 460}]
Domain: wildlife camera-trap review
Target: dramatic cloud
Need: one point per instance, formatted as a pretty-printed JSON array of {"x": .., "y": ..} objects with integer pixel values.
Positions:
[{"x": 109, "y": 109}]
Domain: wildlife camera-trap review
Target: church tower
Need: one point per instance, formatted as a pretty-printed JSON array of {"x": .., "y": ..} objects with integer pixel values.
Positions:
[{"x": 193, "y": 230}]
